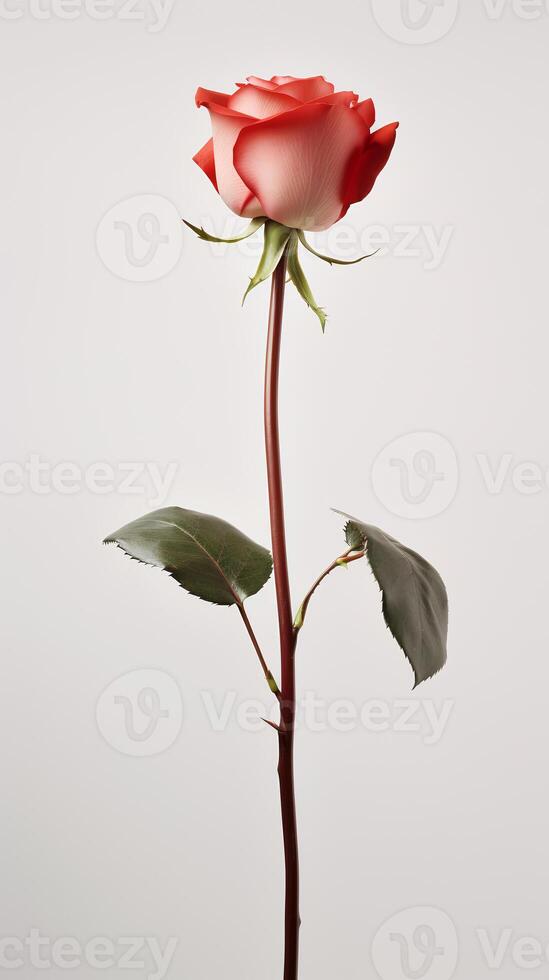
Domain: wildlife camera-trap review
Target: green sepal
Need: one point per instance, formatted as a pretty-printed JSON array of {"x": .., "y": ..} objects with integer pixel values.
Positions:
[
  {"x": 328, "y": 258},
  {"x": 300, "y": 282},
  {"x": 250, "y": 229},
  {"x": 276, "y": 239}
]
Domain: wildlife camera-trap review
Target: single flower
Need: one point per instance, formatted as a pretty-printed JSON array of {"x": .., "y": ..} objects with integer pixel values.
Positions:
[{"x": 292, "y": 149}]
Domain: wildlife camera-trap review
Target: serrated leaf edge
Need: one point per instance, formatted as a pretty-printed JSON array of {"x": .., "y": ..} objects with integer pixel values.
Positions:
[{"x": 238, "y": 600}]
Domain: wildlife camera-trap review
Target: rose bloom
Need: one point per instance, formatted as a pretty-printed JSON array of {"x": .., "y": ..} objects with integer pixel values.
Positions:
[{"x": 292, "y": 149}]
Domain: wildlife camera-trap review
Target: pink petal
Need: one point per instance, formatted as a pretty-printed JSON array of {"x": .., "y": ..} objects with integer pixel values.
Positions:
[
  {"x": 226, "y": 127},
  {"x": 296, "y": 163},
  {"x": 205, "y": 160},
  {"x": 260, "y": 82},
  {"x": 204, "y": 95},
  {"x": 261, "y": 102},
  {"x": 339, "y": 98},
  {"x": 307, "y": 89},
  {"x": 283, "y": 79},
  {"x": 368, "y": 163},
  {"x": 367, "y": 111}
]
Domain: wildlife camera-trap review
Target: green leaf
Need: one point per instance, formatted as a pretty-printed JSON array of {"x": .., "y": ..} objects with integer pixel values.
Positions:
[
  {"x": 415, "y": 602},
  {"x": 300, "y": 282},
  {"x": 276, "y": 239},
  {"x": 208, "y": 557},
  {"x": 251, "y": 229},
  {"x": 328, "y": 258}
]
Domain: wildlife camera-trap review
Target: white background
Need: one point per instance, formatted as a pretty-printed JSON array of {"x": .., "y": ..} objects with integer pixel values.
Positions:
[{"x": 186, "y": 843}]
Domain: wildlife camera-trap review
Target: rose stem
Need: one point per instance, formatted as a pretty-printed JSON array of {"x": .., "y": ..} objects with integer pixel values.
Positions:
[{"x": 287, "y": 634}]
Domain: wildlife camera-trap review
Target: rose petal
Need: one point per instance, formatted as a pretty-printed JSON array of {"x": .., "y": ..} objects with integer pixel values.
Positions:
[
  {"x": 296, "y": 163},
  {"x": 260, "y": 102},
  {"x": 205, "y": 160},
  {"x": 307, "y": 89},
  {"x": 204, "y": 95},
  {"x": 260, "y": 82},
  {"x": 226, "y": 127},
  {"x": 283, "y": 79},
  {"x": 365, "y": 167},
  {"x": 339, "y": 98},
  {"x": 367, "y": 111}
]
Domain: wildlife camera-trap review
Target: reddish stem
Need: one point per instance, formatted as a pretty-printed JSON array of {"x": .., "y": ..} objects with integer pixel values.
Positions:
[{"x": 286, "y": 630}]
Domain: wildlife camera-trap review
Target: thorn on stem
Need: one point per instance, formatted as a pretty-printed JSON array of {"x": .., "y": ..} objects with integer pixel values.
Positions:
[{"x": 272, "y": 724}]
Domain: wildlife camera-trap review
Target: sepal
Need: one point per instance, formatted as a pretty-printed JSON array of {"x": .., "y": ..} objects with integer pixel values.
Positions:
[
  {"x": 300, "y": 282},
  {"x": 276, "y": 240},
  {"x": 328, "y": 258},
  {"x": 251, "y": 229}
]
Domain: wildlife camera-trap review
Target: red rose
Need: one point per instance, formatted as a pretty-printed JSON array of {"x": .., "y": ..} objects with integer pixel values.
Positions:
[{"x": 292, "y": 149}]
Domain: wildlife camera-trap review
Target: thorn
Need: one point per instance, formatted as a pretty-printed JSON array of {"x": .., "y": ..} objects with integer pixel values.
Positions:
[{"x": 272, "y": 724}]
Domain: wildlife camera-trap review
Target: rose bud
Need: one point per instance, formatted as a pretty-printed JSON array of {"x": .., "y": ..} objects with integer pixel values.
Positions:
[{"x": 292, "y": 149}]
